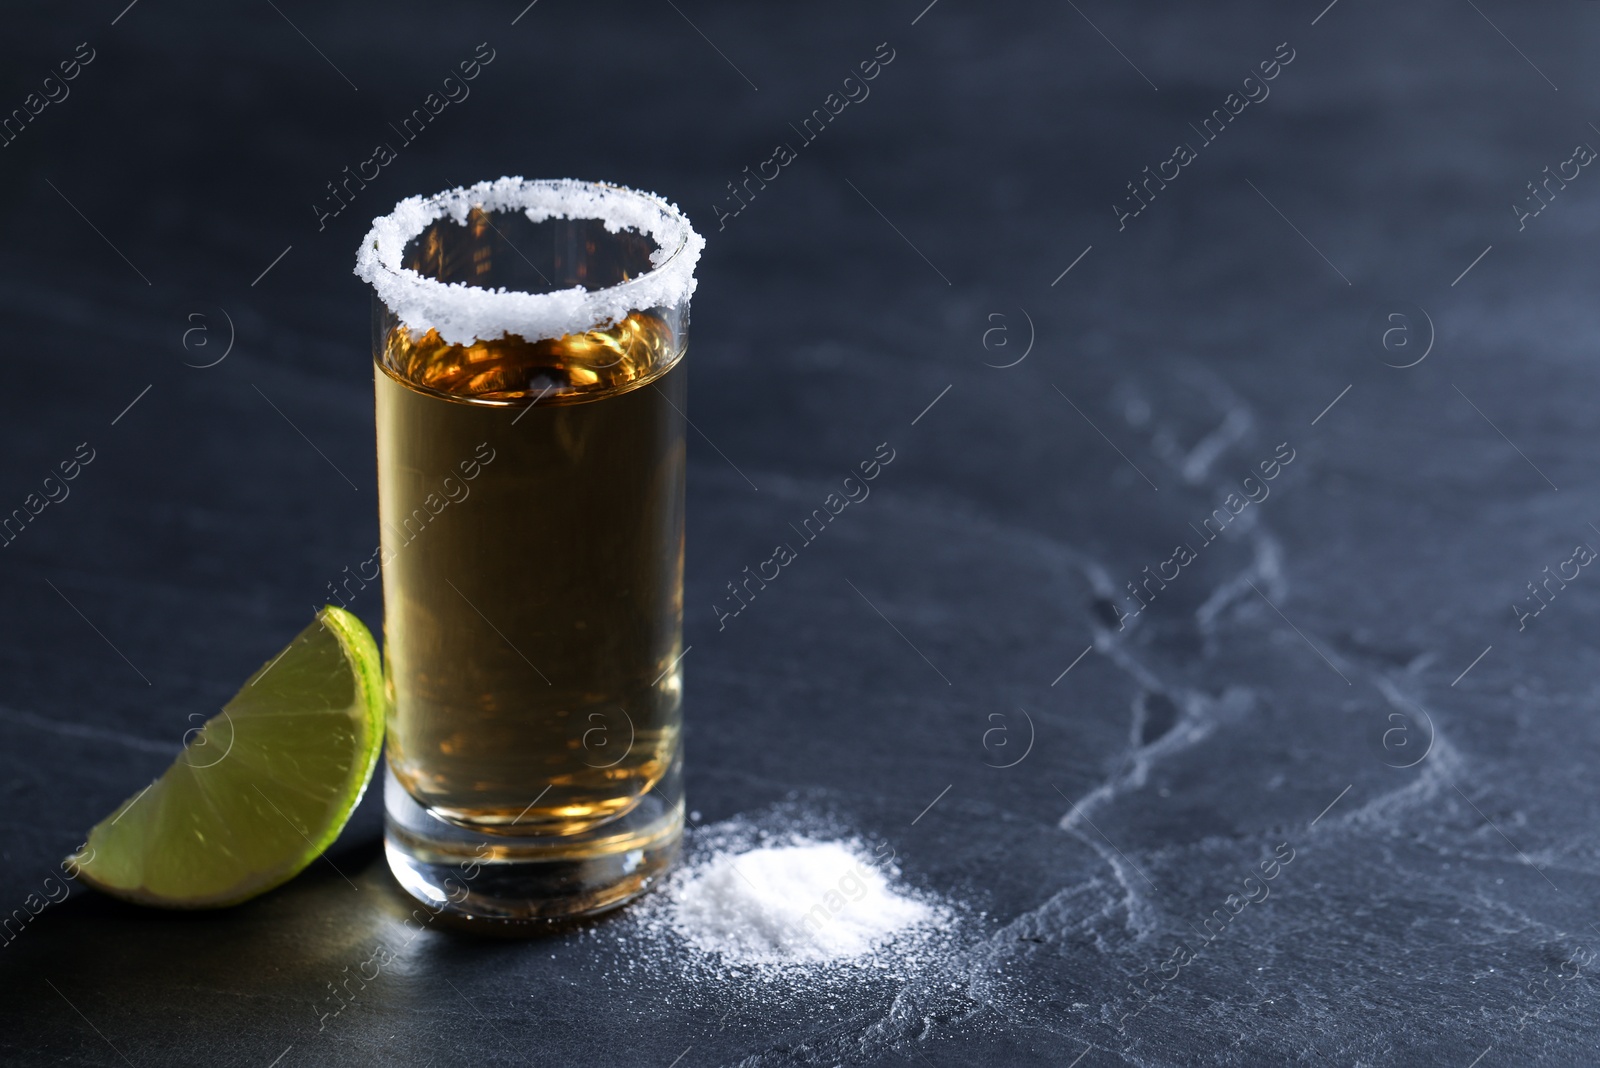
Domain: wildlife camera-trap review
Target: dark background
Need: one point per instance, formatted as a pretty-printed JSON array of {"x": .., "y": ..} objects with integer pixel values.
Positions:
[{"x": 1441, "y": 910}]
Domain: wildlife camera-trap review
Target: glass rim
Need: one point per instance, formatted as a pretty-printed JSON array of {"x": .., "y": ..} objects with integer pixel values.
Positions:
[{"x": 463, "y": 313}]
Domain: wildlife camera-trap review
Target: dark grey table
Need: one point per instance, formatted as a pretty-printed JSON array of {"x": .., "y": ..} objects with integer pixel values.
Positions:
[{"x": 1085, "y": 279}]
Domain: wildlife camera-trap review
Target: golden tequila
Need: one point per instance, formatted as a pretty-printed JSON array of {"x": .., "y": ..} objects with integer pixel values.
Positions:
[{"x": 533, "y": 611}]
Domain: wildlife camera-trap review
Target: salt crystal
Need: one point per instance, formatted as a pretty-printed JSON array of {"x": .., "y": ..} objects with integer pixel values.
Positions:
[
  {"x": 463, "y": 313},
  {"x": 802, "y": 902}
]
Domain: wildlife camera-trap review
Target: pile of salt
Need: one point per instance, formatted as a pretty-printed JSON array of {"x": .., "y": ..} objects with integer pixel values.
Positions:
[{"x": 803, "y": 902}]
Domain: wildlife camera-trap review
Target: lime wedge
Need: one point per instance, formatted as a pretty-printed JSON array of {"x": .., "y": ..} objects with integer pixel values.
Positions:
[{"x": 261, "y": 789}]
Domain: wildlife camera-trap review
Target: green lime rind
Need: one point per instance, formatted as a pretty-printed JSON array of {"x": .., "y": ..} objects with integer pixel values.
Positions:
[
  {"x": 361, "y": 652},
  {"x": 261, "y": 789}
]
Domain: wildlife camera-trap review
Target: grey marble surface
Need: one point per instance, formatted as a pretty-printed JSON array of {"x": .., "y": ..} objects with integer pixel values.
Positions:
[{"x": 1339, "y": 678}]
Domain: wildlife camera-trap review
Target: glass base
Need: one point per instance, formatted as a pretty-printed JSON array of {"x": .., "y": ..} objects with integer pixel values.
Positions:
[{"x": 502, "y": 883}]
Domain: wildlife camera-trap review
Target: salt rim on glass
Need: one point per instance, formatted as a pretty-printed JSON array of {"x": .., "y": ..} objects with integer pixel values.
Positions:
[{"x": 463, "y": 313}]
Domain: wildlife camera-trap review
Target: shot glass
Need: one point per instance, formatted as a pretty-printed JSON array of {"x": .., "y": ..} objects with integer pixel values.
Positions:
[{"x": 528, "y": 358}]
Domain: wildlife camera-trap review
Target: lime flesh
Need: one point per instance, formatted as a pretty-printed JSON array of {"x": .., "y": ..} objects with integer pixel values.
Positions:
[{"x": 262, "y": 789}]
